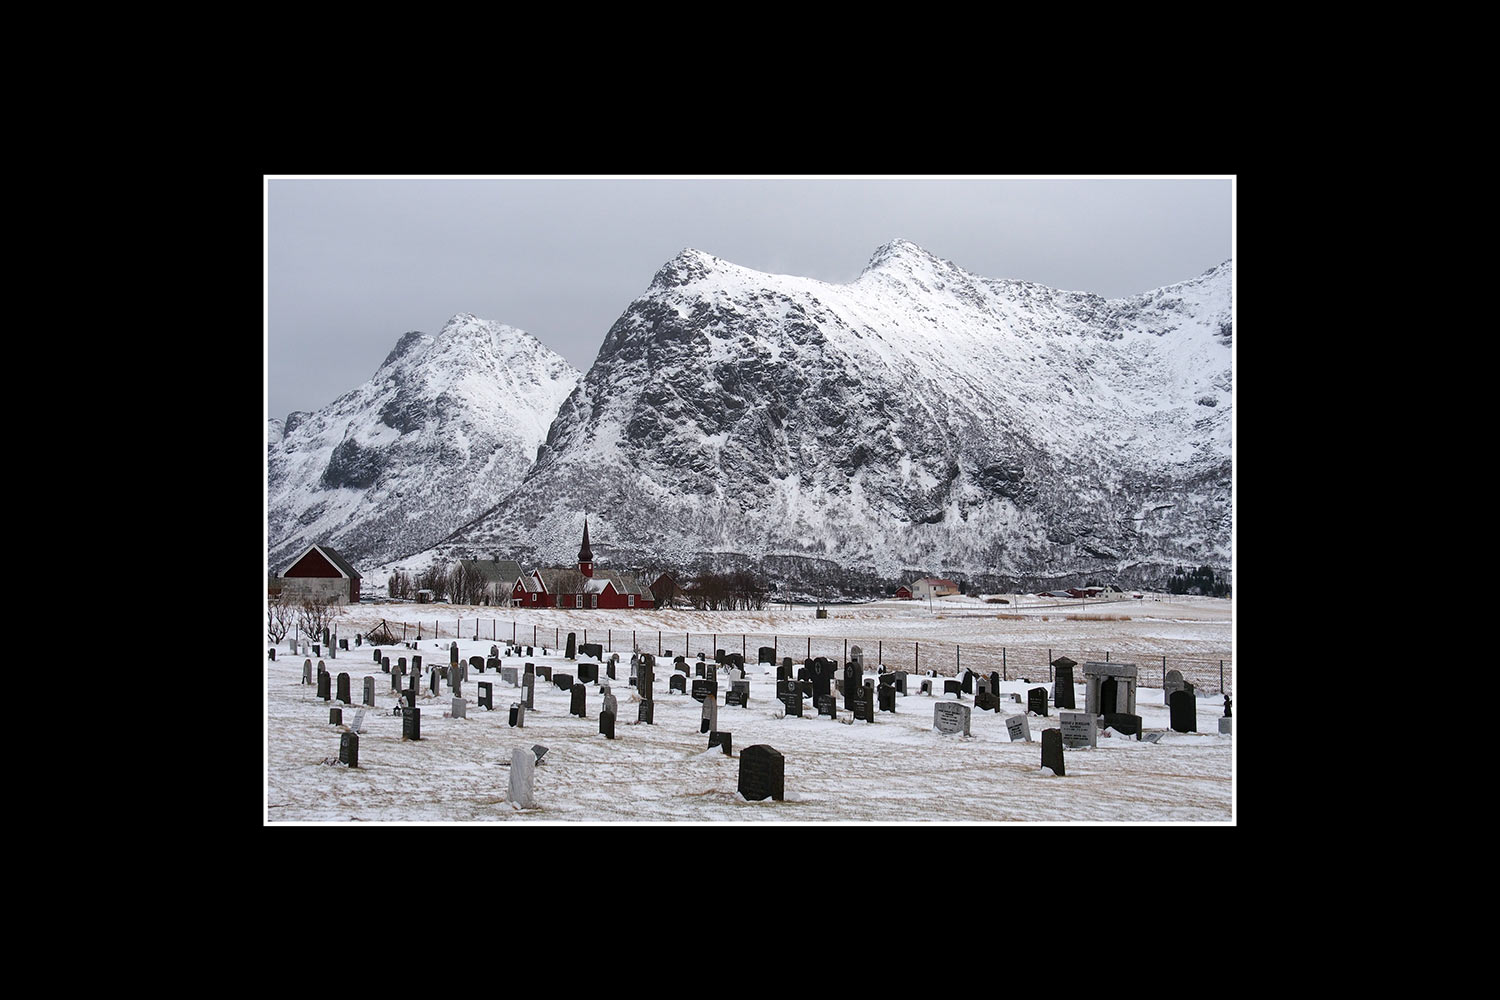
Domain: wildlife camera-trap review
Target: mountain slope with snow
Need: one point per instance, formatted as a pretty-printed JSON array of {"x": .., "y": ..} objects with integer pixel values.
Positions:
[
  {"x": 918, "y": 417},
  {"x": 446, "y": 426}
]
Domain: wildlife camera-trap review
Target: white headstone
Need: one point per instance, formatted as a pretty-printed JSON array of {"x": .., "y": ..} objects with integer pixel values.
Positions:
[
  {"x": 1079, "y": 729},
  {"x": 1019, "y": 728},
  {"x": 460, "y": 709},
  {"x": 950, "y": 717},
  {"x": 522, "y": 775}
]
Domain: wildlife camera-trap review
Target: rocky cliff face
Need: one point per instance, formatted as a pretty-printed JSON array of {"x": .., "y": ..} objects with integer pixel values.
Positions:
[
  {"x": 445, "y": 427},
  {"x": 919, "y": 417}
]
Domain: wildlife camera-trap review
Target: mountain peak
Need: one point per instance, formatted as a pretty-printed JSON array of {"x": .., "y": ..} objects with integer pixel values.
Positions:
[
  {"x": 687, "y": 266},
  {"x": 898, "y": 250}
]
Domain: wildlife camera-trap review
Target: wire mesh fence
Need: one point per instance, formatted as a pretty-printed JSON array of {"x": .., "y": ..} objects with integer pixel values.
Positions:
[{"x": 1209, "y": 675}]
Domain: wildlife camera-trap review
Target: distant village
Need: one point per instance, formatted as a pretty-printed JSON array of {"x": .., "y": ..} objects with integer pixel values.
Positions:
[{"x": 321, "y": 574}]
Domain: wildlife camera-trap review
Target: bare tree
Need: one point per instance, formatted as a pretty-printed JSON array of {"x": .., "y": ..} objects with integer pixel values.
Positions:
[
  {"x": 316, "y": 613},
  {"x": 279, "y": 617}
]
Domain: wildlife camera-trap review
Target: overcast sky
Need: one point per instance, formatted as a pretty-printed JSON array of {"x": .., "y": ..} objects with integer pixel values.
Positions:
[{"x": 352, "y": 264}]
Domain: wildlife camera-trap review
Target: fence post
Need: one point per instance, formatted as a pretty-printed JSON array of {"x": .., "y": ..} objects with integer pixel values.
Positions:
[
  {"x": 958, "y": 660},
  {"x": 809, "y": 647},
  {"x": 1221, "y": 677},
  {"x": 846, "y": 652},
  {"x": 1003, "y": 675},
  {"x": 917, "y": 658}
]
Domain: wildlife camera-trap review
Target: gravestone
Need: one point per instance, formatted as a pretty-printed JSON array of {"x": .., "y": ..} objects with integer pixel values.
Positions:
[
  {"x": 564, "y": 682},
  {"x": 545, "y": 672},
  {"x": 1110, "y": 688},
  {"x": 644, "y": 711},
  {"x": 359, "y": 721},
  {"x": 324, "y": 688},
  {"x": 926, "y": 687},
  {"x": 307, "y": 672},
  {"x": 766, "y": 654},
  {"x": 789, "y": 693},
  {"x": 762, "y": 774},
  {"x": 572, "y": 651},
  {"x": 458, "y": 685},
  {"x": 1079, "y": 729},
  {"x": 721, "y": 739},
  {"x": 1062, "y": 684},
  {"x": 495, "y": 651},
  {"x": 511, "y": 676},
  {"x": 385, "y": 664},
  {"x": 588, "y": 673},
  {"x": 359, "y": 640},
  {"x": 349, "y": 749},
  {"x": 851, "y": 681},
  {"x": 857, "y": 657},
  {"x": 530, "y": 668},
  {"x": 710, "y": 718},
  {"x": 887, "y": 679},
  {"x": 335, "y": 716},
  {"x": 607, "y": 724},
  {"x": 411, "y": 723},
  {"x": 453, "y": 653},
  {"x": 432, "y": 681},
  {"x": 954, "y": 688},
  {"x": 416, "y": 664},
  {"x": 395, "y": 682},
  {"x": 736, "y": 695},
  {"x": 827, "y": 705},
  {"x": 887, "y": 698},
  {"x": 1226, "y": 725},
  {"x": 487, "y": 696},
  {"x": 950, "y": 717},
  {"x": 862, "y": 703},
  {"x": 476, "y": 663},
  {"x": 645, "y": 677},
  {"x": 578, "y": 706},
  {"x": 705, "y": 688},
  {"x": 317, "y": 649},
  {"x": 272, "y": 652},
  {"x": 1172, "y": 682},
  {"x": 608, "y": 703},
  {"x": 517, "y": 719},
  {"x": 1184, "y": 710},
  {"x": 901, "y": 681},
  {"x": 1019, "y": 727},
  {"x": 986, "y": 702},
  {"x": 1052, "y": 751},
  {"x": 1036, "y": 701},
  {"x": 369, "y": 692},
  {"x": 522, "y": 778},
  {"x": 460, "y": 709},
  {"x": 981, "y": 685},
  {"x": 968, "y": 681},
  {"x": 1129, "y": 725},
  {"x": 493, "y": 663},
  {"x": 678, "y": 684}
]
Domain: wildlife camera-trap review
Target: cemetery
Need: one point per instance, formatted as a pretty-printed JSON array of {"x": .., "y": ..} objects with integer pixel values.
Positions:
[{"x": 489, "y": 732}]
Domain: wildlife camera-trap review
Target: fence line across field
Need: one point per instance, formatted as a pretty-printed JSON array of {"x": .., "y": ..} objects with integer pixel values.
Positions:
[{"x": 1209, "y": 675}]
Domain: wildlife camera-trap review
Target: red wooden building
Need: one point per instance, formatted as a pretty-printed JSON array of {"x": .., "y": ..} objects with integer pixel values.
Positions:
[
  {"x": 321, "y": 572},
  {"x": 584, "y": 588}
]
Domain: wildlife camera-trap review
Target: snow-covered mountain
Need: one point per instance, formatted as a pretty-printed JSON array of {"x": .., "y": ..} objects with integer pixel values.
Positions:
[
  {"x": 446, "y": 426},
  {"x": 919, "y": 417}
]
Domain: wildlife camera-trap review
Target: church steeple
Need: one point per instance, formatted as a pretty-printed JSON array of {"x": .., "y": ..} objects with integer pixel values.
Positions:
[{"x": 586, "y": 554}]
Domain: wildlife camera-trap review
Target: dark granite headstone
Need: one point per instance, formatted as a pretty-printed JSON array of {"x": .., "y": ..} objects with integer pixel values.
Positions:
[
  {"x": 1036, "y": 701},
  {"x": 453, "y": 653},
  {"x": 528, "y": 684},
  {"x": 493, "y": 663},
  {"x": 1052, "y": 751},
  {"x": 852, "y": 679},
  {"x": 607, "y": 723},
  {"x": 968, "y": 682},
  {"x": 645, "y": 710},
  {"x": 678, "y": 684},
  {"x": 517, "y": 715},
  {"x": 827, "y": 705},
  {"x": 369, "y": 691},
  {"x": 578, "y": 706},
  {"x": 887, "y": 698},
  {"x": 487, "y": 696},
  {"x": 766, "y": 654},
  {"x": 307, "y": 672},
  {"x": 571, "y": 652},
  {"x": 416, "y": 664},
  {"x": 738, "y": 693},
  {"x": 1062, "y": 687},
  {"x": 411, "y": 723},
  {"x": 1228, "y": 705},
  {"x": 862, "y": 703},
  {"x": 1184, "y": 711},
  {"x": 349, "y": 749},
  {"x": 926, "y": 687},
  {"x": 791, "y": 698},
  {"x": 705, "y": 688},
  {"x": 588, "y": 673},
  {"x": 1129, "y": 725},
  {"x": 986, "y": 702},
  {"x": 335, "y": 716},
  {"x": 564, "y": 682},
  {"x": 324, "y": 687},
  {"x": 762, "y": 773},
  {"x": 953, "y": 687},
  {"x": 721, "y": 739}
]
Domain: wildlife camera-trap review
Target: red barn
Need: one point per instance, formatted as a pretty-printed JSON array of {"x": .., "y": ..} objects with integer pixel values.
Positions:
[
  {"x": 321, "y": 572},
  {"x": 903, "y": 593}
]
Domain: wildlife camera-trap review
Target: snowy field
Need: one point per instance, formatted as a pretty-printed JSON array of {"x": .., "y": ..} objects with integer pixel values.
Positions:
[{"x": 897, "y": 770}]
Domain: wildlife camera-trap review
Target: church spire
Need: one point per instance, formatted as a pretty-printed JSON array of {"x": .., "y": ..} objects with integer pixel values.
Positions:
[{"x": 586, "y": 554}]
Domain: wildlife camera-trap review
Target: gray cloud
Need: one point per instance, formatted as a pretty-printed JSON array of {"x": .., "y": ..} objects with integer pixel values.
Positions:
[{"x": 353, "y": 264}]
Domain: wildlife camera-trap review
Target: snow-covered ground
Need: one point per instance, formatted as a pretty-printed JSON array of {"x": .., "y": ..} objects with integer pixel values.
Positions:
[{"x": 897, "y": 770}]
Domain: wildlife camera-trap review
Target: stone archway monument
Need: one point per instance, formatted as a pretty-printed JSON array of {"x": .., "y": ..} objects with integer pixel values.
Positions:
[{"x": 1111, "y": 688}]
